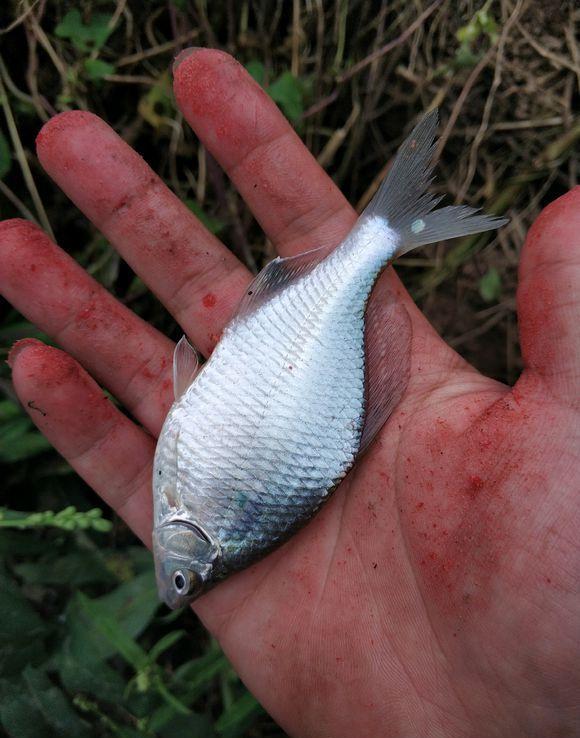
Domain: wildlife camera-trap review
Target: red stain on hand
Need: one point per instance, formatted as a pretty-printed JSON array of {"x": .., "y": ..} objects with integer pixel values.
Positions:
[
  {"x": 60, "y": 124},
  {"x": 538, "y": 330},
  {"x": 20, "y": 346},
  {"x": 71, "y": 401},
  {"x": 208, "y": 81},
  {"x": 209, "y": 300},
  {"x": 549, "y": 329},
  {"x": 475, "y": 485},
  {"x": 464, "y": 529}
]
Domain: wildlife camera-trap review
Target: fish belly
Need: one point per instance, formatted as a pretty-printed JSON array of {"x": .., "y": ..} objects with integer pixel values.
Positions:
[{"x": 274, "y": 420}]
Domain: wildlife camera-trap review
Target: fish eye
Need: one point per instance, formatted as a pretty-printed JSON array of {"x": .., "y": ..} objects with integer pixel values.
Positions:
[{"x": 184, "y": 582}]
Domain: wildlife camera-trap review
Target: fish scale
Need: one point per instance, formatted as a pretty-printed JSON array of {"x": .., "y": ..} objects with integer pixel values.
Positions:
[
  {"x": 293, "y": 393},
  {"x": 274, "y": 432}
]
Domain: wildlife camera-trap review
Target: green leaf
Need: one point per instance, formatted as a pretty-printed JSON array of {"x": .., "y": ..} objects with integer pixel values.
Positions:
[
  {"x": 70, "y": 25},
  {"x": 131, "y": 607},
  {"x": 482, "y": 23},
  {"x": 134, "y": 603},
  {"x": 147, "y": 676},
  {"x": 174, "y": 702},
  {"x": 18, "y": 543},
  {"x": 490, "y": 285},
  {"x": 75, "y": 569},
  {"x": 189, "y": 682},
  {"x": 84, "y": 37},
  {"x": 9, "y": 410},
  {"x": 469, "y": 33},
  {"x": 53, "y": 705},
  {"x": 96, "y": 69},
  {"x": 487, "y": 23},
  {"x": 141, "y": 561},
  {"x": 112, "y": 728},
  {"x": 95, "y": 678},
  {"x": 256, "y": 70},
  {"x": 100, "y": 620},
  {"x": 18, "y": 714},
  {"x": 214, "y": 225},
  {"x": 13, "y": 331},
  {"x": 164, "y": 643},
  {"x": 15, "y": 657},
  {"x": 288, "y": 92},
  {"x": 465, "y": 58},
  {"x": 19, "y": 440},
  {"x": 236, "y": 719},
  {"x": 182, "y": 726},
  {"x": 5, "y": 156},
  {"x": 158, "y": 104},
  {"x": 19, "y": 622},
  {"x": 101, "y": 261},
  {"x": 195, "y": 675}
]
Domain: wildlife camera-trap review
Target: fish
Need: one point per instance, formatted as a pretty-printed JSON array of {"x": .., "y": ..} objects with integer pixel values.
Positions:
[{"x": 302, "y": 379}]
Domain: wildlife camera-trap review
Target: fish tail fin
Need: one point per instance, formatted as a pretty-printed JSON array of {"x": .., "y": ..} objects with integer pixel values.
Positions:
[{"x": 404, "y": 202}]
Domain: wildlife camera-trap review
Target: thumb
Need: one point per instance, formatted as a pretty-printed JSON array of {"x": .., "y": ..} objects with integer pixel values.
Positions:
[{"x": 549, "y": 298}]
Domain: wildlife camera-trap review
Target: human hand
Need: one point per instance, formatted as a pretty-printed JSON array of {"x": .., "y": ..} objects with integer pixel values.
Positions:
[{"x": 435, "y": 594}]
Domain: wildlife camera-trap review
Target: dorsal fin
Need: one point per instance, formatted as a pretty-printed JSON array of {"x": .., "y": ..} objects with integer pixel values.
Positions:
[
  {"x": 277, "y": 274},
  {"x": 185, "y": 366},
  {"x": 388, "y": 359}
]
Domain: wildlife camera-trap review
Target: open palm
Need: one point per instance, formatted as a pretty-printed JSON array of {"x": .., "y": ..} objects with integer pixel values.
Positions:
[{"x": 437, "y": 594}]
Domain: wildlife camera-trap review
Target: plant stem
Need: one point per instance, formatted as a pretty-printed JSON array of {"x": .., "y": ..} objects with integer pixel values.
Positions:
[{"x": 21, "y": 157}]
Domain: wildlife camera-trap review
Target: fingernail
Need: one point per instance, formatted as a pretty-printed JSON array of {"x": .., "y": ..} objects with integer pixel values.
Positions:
[
  {"x": 183, "y": 55},
  {"x": 19, "y": 347}
]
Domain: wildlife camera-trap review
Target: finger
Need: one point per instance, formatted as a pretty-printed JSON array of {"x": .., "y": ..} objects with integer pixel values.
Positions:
[
  {"x": 111, "y": 453},
  {"x": 549, "y": 298},
  {"x": 295, "y": 201},
  {"x": 192, "y": 273},
  {"x": 123, "y": 352}
]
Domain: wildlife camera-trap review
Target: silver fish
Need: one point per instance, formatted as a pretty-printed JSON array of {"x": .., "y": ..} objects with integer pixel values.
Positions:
[{"x": 258, "y": 438}]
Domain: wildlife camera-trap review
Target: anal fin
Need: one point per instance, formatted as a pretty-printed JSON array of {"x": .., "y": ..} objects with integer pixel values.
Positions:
[{"x": 388, "y": 359}]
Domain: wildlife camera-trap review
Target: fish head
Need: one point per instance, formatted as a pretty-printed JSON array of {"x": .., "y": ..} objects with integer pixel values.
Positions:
[{"x": 184, "y": 560}]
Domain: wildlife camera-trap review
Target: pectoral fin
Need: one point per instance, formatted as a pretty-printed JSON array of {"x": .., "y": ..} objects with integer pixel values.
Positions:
[{"x": 185, "y": 366}]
